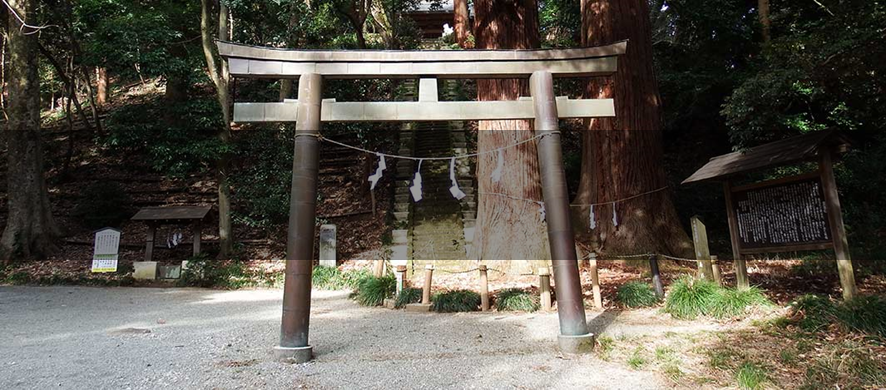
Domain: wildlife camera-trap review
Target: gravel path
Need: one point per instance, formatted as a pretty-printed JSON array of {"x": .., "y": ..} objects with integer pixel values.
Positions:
[{"x": 122, "y": 338}]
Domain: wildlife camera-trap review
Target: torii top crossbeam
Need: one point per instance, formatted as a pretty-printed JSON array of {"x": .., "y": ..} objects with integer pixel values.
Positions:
[{"x": 262, "y": 62}]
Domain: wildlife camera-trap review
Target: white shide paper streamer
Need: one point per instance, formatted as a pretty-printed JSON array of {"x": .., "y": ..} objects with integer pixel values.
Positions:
[
  {"x": 378, "y": 172},
  {"x": 496, "y": 174},
  {"x": 416, "y": 184},
  {"x": 614, "y": 216},
  {"x": 593, "y": 218},
  {"x": 454, "y": 190}
]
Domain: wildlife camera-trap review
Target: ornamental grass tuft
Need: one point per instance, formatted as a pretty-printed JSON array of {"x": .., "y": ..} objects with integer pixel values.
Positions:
[
  {"x": 517, "y": 299},
  {"x": 456, "y": 301}
]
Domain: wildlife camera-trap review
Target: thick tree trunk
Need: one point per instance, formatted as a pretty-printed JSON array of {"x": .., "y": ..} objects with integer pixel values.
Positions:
[
  {"x": 218, "y": 72},
  {"x": 765, "y": 22},
  {"x": 30, "y": 229},
  {"x": 462, "y": 24},
  {"x": 508, "y": 228},
  {"x": 623, "y": 157},
  {"x": 102, "y": 84}
]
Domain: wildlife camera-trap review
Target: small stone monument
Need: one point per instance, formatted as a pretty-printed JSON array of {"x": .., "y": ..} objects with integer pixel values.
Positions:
[
  {"x": 327, "y": 246},
  {"x": 106, "y": 253}
]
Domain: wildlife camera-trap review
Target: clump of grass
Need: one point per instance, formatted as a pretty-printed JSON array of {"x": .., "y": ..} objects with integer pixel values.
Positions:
[
  {"x": 456, "y": 301},
  {"x": 331, "y": 278},
  {"x": 407, "y": 296},
  {"x": 516, "y": 299},
  {"x": 690, "y": 298},
  {"x": 637, "y": 359},
  {"x": 637, "y": 294},
  {"x": 605, "y": 346},
  {"x": 863, "y": 314},
  {"x": 372, "y": 291},
  {"x": 751, "y": 376}
]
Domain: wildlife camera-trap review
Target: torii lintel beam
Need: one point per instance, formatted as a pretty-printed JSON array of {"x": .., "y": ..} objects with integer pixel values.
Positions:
[{"x": 333, "y": 111}]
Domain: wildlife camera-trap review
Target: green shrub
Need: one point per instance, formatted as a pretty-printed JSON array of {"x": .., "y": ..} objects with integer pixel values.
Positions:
[
  {"x": 456, "y": 301},
  {"x": 863, "y": 314},
  {"x": 331, "y": 278},
  {"x": 516, "y": 299},
  {"x": 104, "y": 204},
  {"x": 751, "y": 376},
  {"x": 637, "y": 294},
  {"x": 372, "y": 291},
  {"x": 407, "y": 296},
  {"x": 690, "y": 298}
]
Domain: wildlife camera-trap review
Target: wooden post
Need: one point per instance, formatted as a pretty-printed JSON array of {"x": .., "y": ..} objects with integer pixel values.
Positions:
[
  {"x": 379, "y": 270},
  {"x": 595, "y": 280},
  {"x": 149, "y": 245},
  {"x": 740, "y": 265},
  {"x": 544, "y": 283},
  {"x": 656, "y": 276},
  {"x": 718, "y": 276},
  {"x": 702, "y": 250},
  {"x": 838, "y": 231},
  {"x": 198, "y": 233},
  {"x": 426, "y": 290},
  {"x": 484, "y": 288}
]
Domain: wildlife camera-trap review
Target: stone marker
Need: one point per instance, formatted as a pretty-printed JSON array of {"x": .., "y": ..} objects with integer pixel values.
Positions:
[
  {"x": 327, "y": 246},
  {"x": 145, "y": 270},
  {"x": 106, "y": 254},
  {"x": 702, "y": 251}
]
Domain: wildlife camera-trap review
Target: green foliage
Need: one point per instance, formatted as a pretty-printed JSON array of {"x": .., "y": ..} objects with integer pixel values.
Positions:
[
  {"x": 408, "y": 296},
  {"x": 517, "y": 299},
  {"x": 690, "y": 298},
  {"x": 372, "y": 291},
  {"x": 751, "y": 376},
  {"x": 865, "y": 314},
  {"x": 178, "y": 139},
  {"x": 263, "y": 185},
  {"x": 637, "y": 359},
  {"x": 228, "y": 274},
  {"x": 103, "y": 204},
  {"x": 456, "y": 301},
  {"x": 331, "y": 278},
  {"x": 848, "y": 366},
  {"x": 637, "y": 294}
]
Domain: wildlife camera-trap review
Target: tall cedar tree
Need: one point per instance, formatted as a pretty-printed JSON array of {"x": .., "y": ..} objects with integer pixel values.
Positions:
[
  {"x": 462, "y": 23},
  {"x": 623, "y": 156},
  {"x": 508, "y": 229},
  {"x": 30, "y": 230},
  {"x": 218, "y": 72}
]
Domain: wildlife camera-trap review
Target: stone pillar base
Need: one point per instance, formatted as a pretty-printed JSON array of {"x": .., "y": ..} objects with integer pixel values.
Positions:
[
  {"x": 577, "y": 345},
  {"x": 419, "y": 307},
  {"x": 296, "y": 355}
]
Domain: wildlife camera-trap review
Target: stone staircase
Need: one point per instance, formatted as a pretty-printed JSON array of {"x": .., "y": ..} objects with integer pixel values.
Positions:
[{"x": 438, "y": 228}]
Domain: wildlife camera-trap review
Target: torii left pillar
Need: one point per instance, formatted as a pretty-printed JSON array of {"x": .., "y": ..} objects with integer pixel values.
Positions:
[
  {"x": 294, "y": 344},
  {"x": 574, "y": 335}
]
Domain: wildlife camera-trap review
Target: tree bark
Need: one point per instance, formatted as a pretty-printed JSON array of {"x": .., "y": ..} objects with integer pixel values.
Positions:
[
  {"x": 218, "y": 73},
  {"x": 101, "y": 83},
  {"x": 462, "y": 24},
  {"x": 623, "y": 156},
  {"x": 507, "y": 228},
  {"x": 69, "y": 81},
  {"x": 765, "y": 21},
  {"x": 30, "y": 229}
]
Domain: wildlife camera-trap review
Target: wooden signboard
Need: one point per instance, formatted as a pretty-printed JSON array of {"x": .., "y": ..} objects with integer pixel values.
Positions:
[{"x": 781, "y": 215}]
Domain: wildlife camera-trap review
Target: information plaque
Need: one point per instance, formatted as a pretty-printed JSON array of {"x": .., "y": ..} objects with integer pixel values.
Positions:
[
  {"x": 782, "y": 215},
  {"x": 106, "y": 253}
]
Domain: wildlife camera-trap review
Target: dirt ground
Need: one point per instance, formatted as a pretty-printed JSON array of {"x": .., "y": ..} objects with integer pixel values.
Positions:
[{"x": 80, "y": 337}]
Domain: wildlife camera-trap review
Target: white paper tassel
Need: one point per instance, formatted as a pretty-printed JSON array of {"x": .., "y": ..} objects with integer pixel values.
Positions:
[
  {"x": 593, "y": 219},
  {"x": 614, "y": 216},
  {"x": 542, "y": 212},
  {"x": 496, "y": 174},
  {"x": 416, "y": 184},
  {"x": 378, "y": 172},
  {"x": 454, "y": 190}
]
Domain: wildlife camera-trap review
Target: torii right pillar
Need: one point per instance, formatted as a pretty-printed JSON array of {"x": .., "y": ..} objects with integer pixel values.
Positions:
[{"x": 574, "y": 336}]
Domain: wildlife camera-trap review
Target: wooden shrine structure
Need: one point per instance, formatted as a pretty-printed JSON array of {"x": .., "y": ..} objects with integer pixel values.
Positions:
[
  {"x": 798, "y": 213},
  {"x": 310, "y": 110}
]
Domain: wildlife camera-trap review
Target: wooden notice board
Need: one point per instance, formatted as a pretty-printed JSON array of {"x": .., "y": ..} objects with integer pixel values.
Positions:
[{"x": 781, "y": 215}]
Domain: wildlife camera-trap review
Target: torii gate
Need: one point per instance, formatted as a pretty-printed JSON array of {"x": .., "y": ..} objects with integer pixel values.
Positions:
[{"x": 310, "y": 110}]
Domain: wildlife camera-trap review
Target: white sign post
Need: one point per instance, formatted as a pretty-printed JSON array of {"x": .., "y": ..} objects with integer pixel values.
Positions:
[{"x": 106, "y": 254}]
